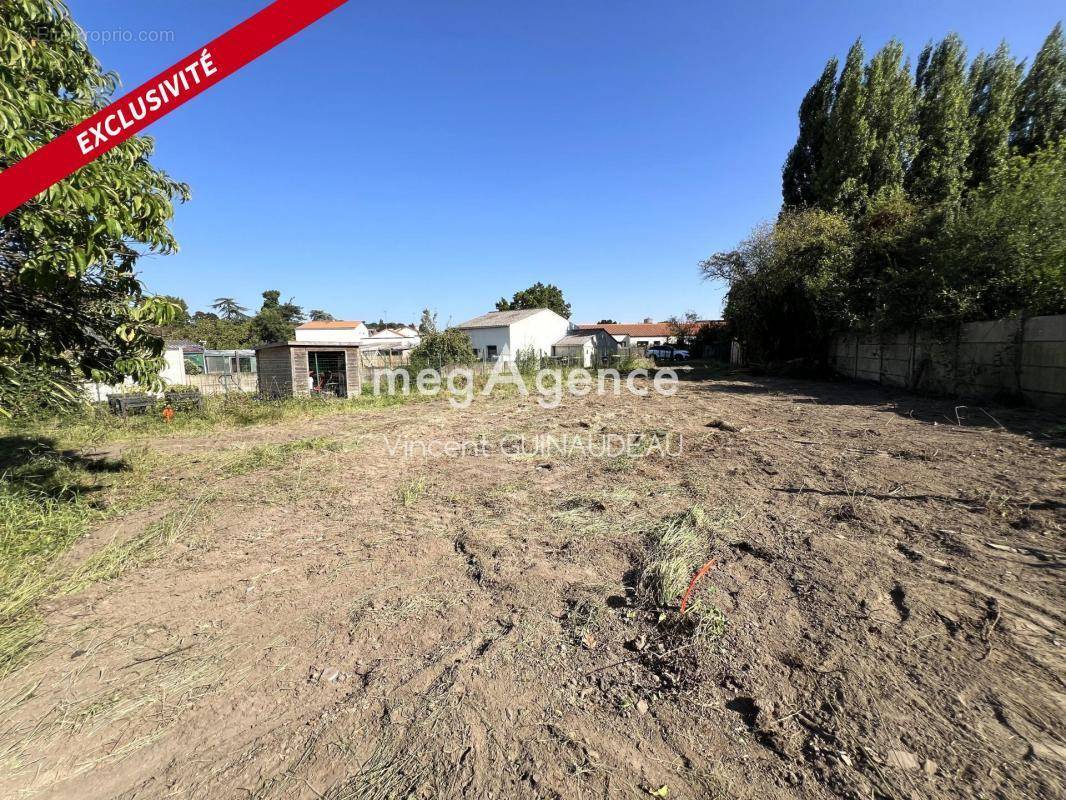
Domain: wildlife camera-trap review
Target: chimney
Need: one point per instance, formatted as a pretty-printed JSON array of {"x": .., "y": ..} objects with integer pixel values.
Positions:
[{"x": 649, "y": 321}]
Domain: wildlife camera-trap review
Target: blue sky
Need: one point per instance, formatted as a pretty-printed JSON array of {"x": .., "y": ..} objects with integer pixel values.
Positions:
[{"x": 398, "y": 155}]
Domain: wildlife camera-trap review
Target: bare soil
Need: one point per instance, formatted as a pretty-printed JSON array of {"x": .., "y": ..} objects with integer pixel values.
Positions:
[{"x": 358, "y": 623}]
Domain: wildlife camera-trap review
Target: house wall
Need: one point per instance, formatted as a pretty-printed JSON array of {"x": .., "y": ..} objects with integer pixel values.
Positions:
[
  {"x": 1022, "y": 357},
  {"x": 539, "y": 331},
  {"x": 481, "y": 338},
  {"x": 644, "y": 342},
  {"x": 354, "y": 335}
]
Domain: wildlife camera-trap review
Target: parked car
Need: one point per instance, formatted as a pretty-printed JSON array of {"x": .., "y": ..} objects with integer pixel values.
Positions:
[{"x": 667, "y": 352}]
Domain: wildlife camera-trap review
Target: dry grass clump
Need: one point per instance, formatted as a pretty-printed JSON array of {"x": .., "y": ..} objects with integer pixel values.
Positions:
[
  {"x": 274, "y": 455},
  {"x": 411, "y": 490},
  {"x": 679, "y": 546},
  {"x": 117, "y": 557}
]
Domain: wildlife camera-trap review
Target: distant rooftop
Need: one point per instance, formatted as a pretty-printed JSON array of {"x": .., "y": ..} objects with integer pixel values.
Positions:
[
  {"x": 500, "y": 319},
  {"x": 330, "y": 325}
]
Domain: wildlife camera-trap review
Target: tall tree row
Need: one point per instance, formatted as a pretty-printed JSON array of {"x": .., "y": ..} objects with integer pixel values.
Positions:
[
  {"x": 937, "y": 135},
  {"x": 805, "y": 158},
  {"x": 1041, "y": 115},
  {"x": 890, "y": 111},
  {"x": 932, "y": 196}
]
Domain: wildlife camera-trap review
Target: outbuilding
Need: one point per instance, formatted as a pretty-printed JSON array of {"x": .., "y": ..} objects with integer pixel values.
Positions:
[
  {"x": 505, "y": 335},
  {"x": 586, "y": 348},
  {"x": 294, "y": 369}
]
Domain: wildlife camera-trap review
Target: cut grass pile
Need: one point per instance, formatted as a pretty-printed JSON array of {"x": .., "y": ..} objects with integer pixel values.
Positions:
[
  {"x": 679, "y": 546},
  {"x": 679, "y": 549},
  {"x": 274, "y": 455},
  {"x": 116, "y": 557}
]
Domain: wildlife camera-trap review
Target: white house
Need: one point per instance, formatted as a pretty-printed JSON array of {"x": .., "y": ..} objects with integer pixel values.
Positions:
[
  {"x": 334, "y": 331},
  {"x": 501, "y": 335},
  {"x": 394, "y": 339}
]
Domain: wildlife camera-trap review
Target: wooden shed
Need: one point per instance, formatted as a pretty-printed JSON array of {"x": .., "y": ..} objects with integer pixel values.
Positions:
[{"x": 293, "y": 369}]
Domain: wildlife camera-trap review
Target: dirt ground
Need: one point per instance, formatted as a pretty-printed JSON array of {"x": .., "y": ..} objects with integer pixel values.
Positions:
[{"x": 361, "y": 623}]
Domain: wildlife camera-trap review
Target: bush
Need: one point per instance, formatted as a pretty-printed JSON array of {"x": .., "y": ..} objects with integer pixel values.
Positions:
[
  {"x": 527, "y": 360},
  {"x": 448, "y": 348}
]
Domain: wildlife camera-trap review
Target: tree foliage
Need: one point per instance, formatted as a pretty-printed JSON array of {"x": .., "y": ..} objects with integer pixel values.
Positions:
[
  {"x": 805, "y": 158},
  {"x": 427, "y": 326},
  {"x": 889, "y": 110},
  {"x": 275, "y": 321},
  {"x": 70, "y": 299},
  {"x": 1042, "y": 108},
  {"x": 1007, "y": 250},
  {"x": 538, "y": 295},
  {"x": 229, "y": 309},
  {"x": 938, "y": 174},
  {"x": 445, "y": 348},
  {"x": 994, "y": 88},
  {"x": 841, "y": 179}
]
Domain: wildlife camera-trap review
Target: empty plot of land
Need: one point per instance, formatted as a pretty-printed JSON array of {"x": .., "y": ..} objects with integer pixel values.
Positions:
[{"x": 326, "y": 614}]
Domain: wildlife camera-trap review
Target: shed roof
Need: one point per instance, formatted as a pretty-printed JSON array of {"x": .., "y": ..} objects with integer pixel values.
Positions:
[
  {"x": 576, "y": 340},
  {"x": 330, "y": 325},
  {"x": 500, "y": 319}
]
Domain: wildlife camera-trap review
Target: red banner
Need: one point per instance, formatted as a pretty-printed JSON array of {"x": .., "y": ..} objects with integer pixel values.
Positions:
[{"x": 157, "y": 97}]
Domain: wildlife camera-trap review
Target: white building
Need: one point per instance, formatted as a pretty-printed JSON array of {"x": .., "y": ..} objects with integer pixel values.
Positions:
[
  {"x": 394, "y": 339},
  {"x": 173, "y": 372},
  {"x": 501, "y": 335},
  {"x": 332, "y": 331}
]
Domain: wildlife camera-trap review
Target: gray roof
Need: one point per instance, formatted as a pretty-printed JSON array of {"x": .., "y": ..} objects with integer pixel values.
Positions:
[
  {"x": 500, "y": 319},
  {"x": 577, "y": 340}
]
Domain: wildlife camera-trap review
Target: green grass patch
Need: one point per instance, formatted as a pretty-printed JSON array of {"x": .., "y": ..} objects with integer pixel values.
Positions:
[
  {"x": 679, "y": 548},
  {"x": 86, "y": 426},
  {"x": 48, "y": 500}
]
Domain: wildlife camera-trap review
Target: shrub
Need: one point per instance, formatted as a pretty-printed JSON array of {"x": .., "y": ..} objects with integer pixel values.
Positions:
[{"x": 448, "y": 348}]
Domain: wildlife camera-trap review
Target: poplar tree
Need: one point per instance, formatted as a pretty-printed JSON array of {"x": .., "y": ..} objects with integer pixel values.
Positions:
[
  {"x": 805, "y": 158},
  {"x": 841, "y": 180},
  {"x": 939, "y": 174},
  {"x": 890, "y": 114},
  {"x": 994, "y": 83},
  {"x": 1042, "y": 105}
]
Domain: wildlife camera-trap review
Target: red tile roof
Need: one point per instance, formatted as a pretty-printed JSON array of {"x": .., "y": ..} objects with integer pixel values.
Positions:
[
  {"x": 635, "y": 329},
  {"x": 648, "y": 328}
]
